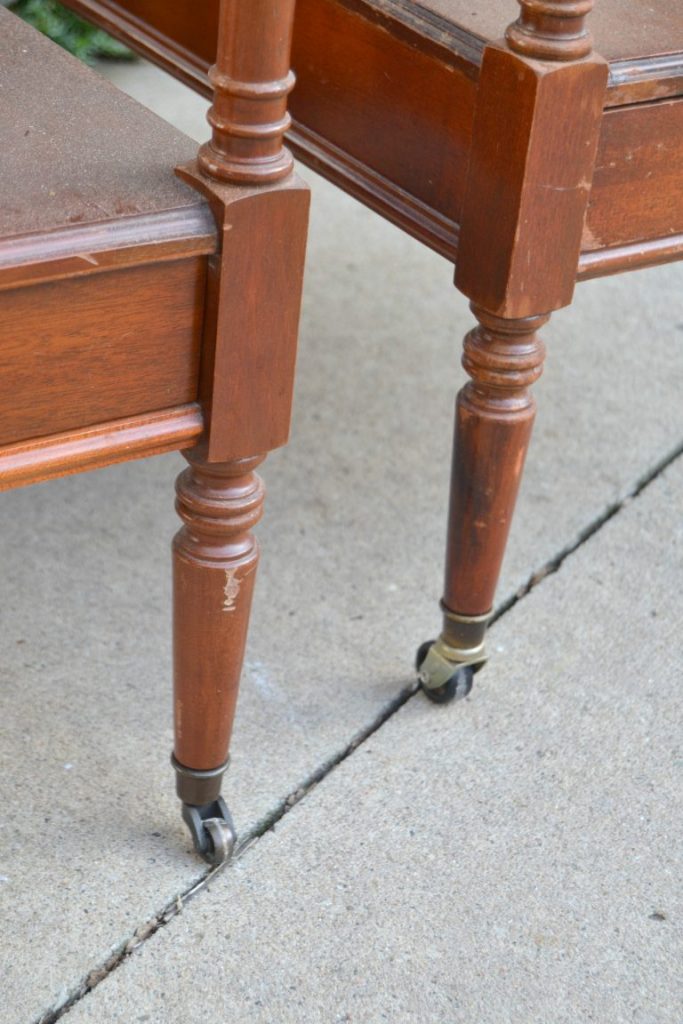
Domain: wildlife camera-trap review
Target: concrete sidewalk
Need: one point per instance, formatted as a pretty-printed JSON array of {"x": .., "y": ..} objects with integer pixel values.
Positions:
[
  {"x": 509, "y": 858},
  {"x": 513, "y": 859}
]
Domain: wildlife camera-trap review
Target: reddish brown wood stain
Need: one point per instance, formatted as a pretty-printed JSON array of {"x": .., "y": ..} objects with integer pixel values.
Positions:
[
  {"x": 75, "y": 353},
  {"x": 637, "y": 186},
  {"x": 483, "y": 148},
  {"x": 386, "y": 95},
  {"x": 247, "y": 377},
  {"x": 214, "y": 568},
  {"x": 494, "y": 417},
  {"x": 112, "y": 344}
]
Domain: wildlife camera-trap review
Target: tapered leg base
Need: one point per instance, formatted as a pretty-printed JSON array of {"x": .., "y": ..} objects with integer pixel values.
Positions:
[
  {"x": 214, "y": 565},
  {"x": 494, "y": 416}
]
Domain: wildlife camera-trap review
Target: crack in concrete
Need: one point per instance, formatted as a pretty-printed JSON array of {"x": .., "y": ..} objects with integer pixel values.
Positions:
[
  {"x": 143, "y": 933},
  {"x": 555, "y": 563},
  {"x": 267, "y": 824}
]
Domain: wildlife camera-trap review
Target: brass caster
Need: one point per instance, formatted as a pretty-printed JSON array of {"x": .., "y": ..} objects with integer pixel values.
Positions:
[
  {"x": 212, "y": 830},
  {"x": 442, "y": 681}
]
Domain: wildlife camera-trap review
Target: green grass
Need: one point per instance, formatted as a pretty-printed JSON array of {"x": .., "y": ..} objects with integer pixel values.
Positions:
[{"x": 70, "y": 31}]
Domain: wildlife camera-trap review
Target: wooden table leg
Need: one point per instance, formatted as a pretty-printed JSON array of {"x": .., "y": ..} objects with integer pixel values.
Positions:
[
  {"x": 247, "y": 375},
  {"x": 215, "y": 556},
  {"x": 494, "y": 416},
  {"x": 534, "y": 139}
]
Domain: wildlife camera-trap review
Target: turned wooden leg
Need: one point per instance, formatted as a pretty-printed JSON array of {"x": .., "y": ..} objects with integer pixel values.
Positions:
[
  {"x": 253, "y": 297},
  {"x": 494, "y": 416},
  {"x": 214, "y": 564}
]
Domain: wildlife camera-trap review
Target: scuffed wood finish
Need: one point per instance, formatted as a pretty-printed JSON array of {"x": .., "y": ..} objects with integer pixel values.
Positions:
[
  {"x": 117, "y": 343},
  {"x": 494, "y": 417},
  {"x": 75, "y": 353},
  {"x": 644, "y": 253},
  {"x": 261, "y": 212},
  {"x": 366, "y": 98},
  {"x": 637, "y": 186},
  {"x": 385, "y": 94},
  {"x": 214, "y": 567},
  {"x": 621, "y": 29},
  {"x": 644, "y": 51},
  {"x": 113, "y": 245},
  {"x": 252, "y": 317},
  {"x": 482, "y": 147},
  {"x": 102, "y": 270},
  {"x": 249, "y": 348},
  {"x": 136, "y": 437},
  {"x": 528, "y": 185},
  {"x": 551, "y": 30},
  {"x": 64, "y": 162},
  {"x": 530, "y": 170}
]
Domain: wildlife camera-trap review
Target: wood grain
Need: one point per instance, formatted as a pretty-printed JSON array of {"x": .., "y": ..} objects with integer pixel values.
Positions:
[
  {"x": 620, "y": 28},
  {"x": 82, "y": 351},
  {"x": 386, "y": 90},
  {"x": 215, "y": 557},
  {"x": 109, "y": 245},
  {"x": 528, "y": 182},
  {"x": 252, "y": 315},
  {"x": 247, "y": 375},
  {"x": 401, "y": 112},
  {"x": 494, "y": 417},
  {"x": 649, "y": 252},
  {"x": 251, "y": 81},
  {"x": 637, "y": 187},
  {"x": 75, "y": 451},
  {"x": 645, "y": 50},
  {"x": 538, "y": 113}
]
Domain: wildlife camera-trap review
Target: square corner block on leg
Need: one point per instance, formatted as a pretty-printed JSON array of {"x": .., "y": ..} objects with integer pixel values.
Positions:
[
  {"x": 535, "y": 136},
  {"x": 252, "y": 312}
]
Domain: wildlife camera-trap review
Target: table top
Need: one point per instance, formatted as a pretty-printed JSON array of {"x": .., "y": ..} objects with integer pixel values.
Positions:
[
  {"x": 75, "y": 150},
  {"x": 622, "y": 29}
]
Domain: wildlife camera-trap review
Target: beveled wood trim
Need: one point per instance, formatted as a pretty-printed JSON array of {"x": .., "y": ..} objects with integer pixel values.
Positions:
[
  {"x": 125, "y": 242},
  {"x": 630, "y": 81},
  {"x": 375, "y": 191},
  {"x": 647, "y": 253},
  {"x": 30, "y": 462},
  {"x": 441, "y": 234},
  {"x": 408, "y": 21},
  {"x": 145, "y": 40}
]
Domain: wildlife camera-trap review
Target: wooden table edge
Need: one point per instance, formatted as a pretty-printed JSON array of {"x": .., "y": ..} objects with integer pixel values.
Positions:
[{"x": 93, "y": 447}]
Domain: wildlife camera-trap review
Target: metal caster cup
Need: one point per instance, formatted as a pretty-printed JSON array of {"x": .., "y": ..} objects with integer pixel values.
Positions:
[
  {"x": 446, "y": 667},
  {"x": 205, "y": 812}
]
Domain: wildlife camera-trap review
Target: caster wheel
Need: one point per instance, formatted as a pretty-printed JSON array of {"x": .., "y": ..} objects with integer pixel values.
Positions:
[
  {"x": 455, "y": 688},
  {"x": 212, "y": 830},
  {"x": 422, "y": 653},
  {"x": 221, "y": 840}
]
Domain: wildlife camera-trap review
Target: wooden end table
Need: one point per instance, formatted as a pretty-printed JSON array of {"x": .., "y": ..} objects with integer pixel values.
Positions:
[
  {"x": 532, "y": 156},
  {"x": 143, "y": 314}
]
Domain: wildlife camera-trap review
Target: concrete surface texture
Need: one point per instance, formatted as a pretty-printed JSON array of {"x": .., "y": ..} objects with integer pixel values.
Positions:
[
  {"x": 513, "y": 858},
  {"x": 507, "y": 858}
]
